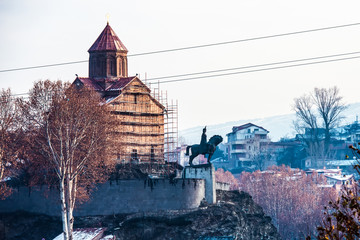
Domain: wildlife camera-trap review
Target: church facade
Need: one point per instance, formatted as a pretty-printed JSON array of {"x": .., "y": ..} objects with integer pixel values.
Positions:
[{"x": 140, "y": 135}]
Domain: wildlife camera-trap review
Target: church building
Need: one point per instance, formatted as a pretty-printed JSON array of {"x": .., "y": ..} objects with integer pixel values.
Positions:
[{"x": 140, "y": 136}]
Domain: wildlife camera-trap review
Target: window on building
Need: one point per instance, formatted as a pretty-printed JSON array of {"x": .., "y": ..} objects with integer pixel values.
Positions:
[
  {"x": 246, "y": 164},
  {"x": 152, "y": 154},
  {"x": 112, "y": 67},
  {"x": 240, "y": 146},
  {"x": 103, "y": 66},
  {"x": 134, "y": 154},
  {"x": 120, "y": 68}
]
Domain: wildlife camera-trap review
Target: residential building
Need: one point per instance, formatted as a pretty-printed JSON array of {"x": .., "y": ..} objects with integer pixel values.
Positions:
[
  {"x": 245, "y": 144},
  {"x": 334, "y": 177},
  {"x": 352, "y": 132},
  {"x": 286, "y": 151}
]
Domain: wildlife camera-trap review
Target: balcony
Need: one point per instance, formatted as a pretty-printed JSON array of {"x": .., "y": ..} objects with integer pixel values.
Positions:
[
  {"x": 238, "y": 151},
  {"x": 260, "y": 133},
  {"x": 239, "y": 141}
]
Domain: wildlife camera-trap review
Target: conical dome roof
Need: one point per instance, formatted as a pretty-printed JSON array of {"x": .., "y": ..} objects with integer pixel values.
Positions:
[{"x": 108, "y": 41}]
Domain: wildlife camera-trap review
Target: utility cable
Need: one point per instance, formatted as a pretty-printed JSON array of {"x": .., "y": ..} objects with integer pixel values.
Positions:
[
  {"x": 192, "y": 47},
  {"x": 253, "y": 66},
  {"x": 249, "y": 71},
  {"x": 246, "y": 40},
  {"x": 257, "y": 70}
]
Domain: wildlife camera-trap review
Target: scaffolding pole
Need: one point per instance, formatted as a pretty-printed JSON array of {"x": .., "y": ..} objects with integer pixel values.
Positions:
[{"x": 170, "y": 124}]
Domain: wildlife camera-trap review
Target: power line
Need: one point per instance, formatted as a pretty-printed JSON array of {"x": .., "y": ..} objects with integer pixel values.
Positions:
[
  {"x": 42, "y": 66},
  {"x": 250, "y": 71},
  {"x": 248, "y": 39},
  {"x": 192, "y": 47},
  {"x": 252, "y": 66},
  {"x": 258, "y": 70}
]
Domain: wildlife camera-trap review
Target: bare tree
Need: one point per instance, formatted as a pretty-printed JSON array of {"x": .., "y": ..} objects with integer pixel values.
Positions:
[
  {"x": 70, "y": 129},
  {"x": 329, "y": 106},
  {"x": 262, "y": 157},
  {"x": 317, "y": 114},
  {"x": 292, "y": 199},
  {"x": 8, "y": 139}
]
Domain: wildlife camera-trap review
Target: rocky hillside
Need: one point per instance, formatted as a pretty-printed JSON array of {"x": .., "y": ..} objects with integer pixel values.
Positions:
[{"x": 235, "y": 216}]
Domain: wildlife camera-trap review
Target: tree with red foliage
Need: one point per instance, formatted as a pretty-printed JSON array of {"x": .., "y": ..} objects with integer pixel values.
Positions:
[
  {"x": 342, "y": 216},
  {"x": 227, "y": 177},
  {"x": 9, "y": 136},
  {"x": 292, "y": 199},
  {"x": 70, "y": 129}
]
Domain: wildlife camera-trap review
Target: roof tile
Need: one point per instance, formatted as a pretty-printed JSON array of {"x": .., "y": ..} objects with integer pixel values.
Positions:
[
  {"x": 108, "y": 41},
  {"x": 91, "y": 83},
  {"x": 119, "y": 84}
]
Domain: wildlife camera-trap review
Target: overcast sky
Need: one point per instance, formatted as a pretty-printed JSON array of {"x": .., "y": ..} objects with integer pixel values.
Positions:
[{"x": 40, "y": 32}]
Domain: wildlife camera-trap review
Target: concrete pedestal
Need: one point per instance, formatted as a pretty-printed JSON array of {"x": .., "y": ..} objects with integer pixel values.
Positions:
[{"x": 206, "y": 172}]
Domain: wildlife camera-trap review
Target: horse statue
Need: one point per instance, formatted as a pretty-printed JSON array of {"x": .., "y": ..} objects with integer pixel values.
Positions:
[{"x": 210, "y": 148}]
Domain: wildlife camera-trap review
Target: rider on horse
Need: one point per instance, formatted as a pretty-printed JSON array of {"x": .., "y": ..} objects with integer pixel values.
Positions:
[
  {"x": 203, "y": 143},
  {"x": 204, "y": 147}
]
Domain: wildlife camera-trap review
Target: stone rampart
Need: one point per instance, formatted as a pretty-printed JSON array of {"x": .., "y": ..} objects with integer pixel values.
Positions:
[
  {"x": 206, "y": 172},
  {"x": 223, "y": 186},
  {"x": 122, "y": 196}
]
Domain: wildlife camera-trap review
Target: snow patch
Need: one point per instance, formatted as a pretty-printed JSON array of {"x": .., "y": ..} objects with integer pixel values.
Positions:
[{"x": 84, "y": 234}]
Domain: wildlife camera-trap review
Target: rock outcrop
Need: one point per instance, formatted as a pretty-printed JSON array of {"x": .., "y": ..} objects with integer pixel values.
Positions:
[{"x": 235, "y": 216}]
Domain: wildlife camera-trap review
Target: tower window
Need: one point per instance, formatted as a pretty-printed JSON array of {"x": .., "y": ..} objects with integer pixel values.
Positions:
[
  {"x": 103, "y": 66},
  {"x": 120, "y": 68},
  {"x": 112, "y": 66}
]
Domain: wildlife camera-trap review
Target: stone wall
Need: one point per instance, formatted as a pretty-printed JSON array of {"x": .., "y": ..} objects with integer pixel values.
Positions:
[
  {"x": 206, "y": 172},
  {"x": 122, "y": 196},
  {"x": 222, "y": 186}
]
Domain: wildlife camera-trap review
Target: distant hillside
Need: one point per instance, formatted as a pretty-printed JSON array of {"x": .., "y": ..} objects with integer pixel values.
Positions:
[{"x": 278, "y": 126}]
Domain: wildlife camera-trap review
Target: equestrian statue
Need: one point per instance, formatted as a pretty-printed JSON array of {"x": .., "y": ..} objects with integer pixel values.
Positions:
[{"x": 204, "y": 147}]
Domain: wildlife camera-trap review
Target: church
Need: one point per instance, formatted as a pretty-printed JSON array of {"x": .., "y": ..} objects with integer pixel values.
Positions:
[{"x": 140, "y": 135}]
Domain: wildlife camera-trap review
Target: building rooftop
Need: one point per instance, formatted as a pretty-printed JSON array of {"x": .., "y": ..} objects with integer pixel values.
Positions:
[
  {"x": 108, "y": 41},
  {"x": 245, "y": 126},
  {"x": 113, "y": 84},
  {"x": 340, "y": 177}
]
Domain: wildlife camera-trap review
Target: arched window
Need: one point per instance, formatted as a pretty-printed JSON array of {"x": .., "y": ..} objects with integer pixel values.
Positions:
[
  {"x": 112, "y": 67},
  {"x": 120, "y": 66},
  {"x": 123, "y": 70},
  {"x": 103, "y": 66}
]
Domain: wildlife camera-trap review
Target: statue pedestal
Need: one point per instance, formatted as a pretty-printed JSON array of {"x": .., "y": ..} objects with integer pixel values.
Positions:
[{"x": 206, "y": 172}]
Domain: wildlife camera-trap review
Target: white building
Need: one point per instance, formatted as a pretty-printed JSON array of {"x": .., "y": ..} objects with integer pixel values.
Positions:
[
  {"x": 245, "y": 144},
  {"x": 334, "y": 177}
]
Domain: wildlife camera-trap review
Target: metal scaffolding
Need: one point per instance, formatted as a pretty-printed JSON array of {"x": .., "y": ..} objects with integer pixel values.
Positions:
[{"x": 170, "y": 123}]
